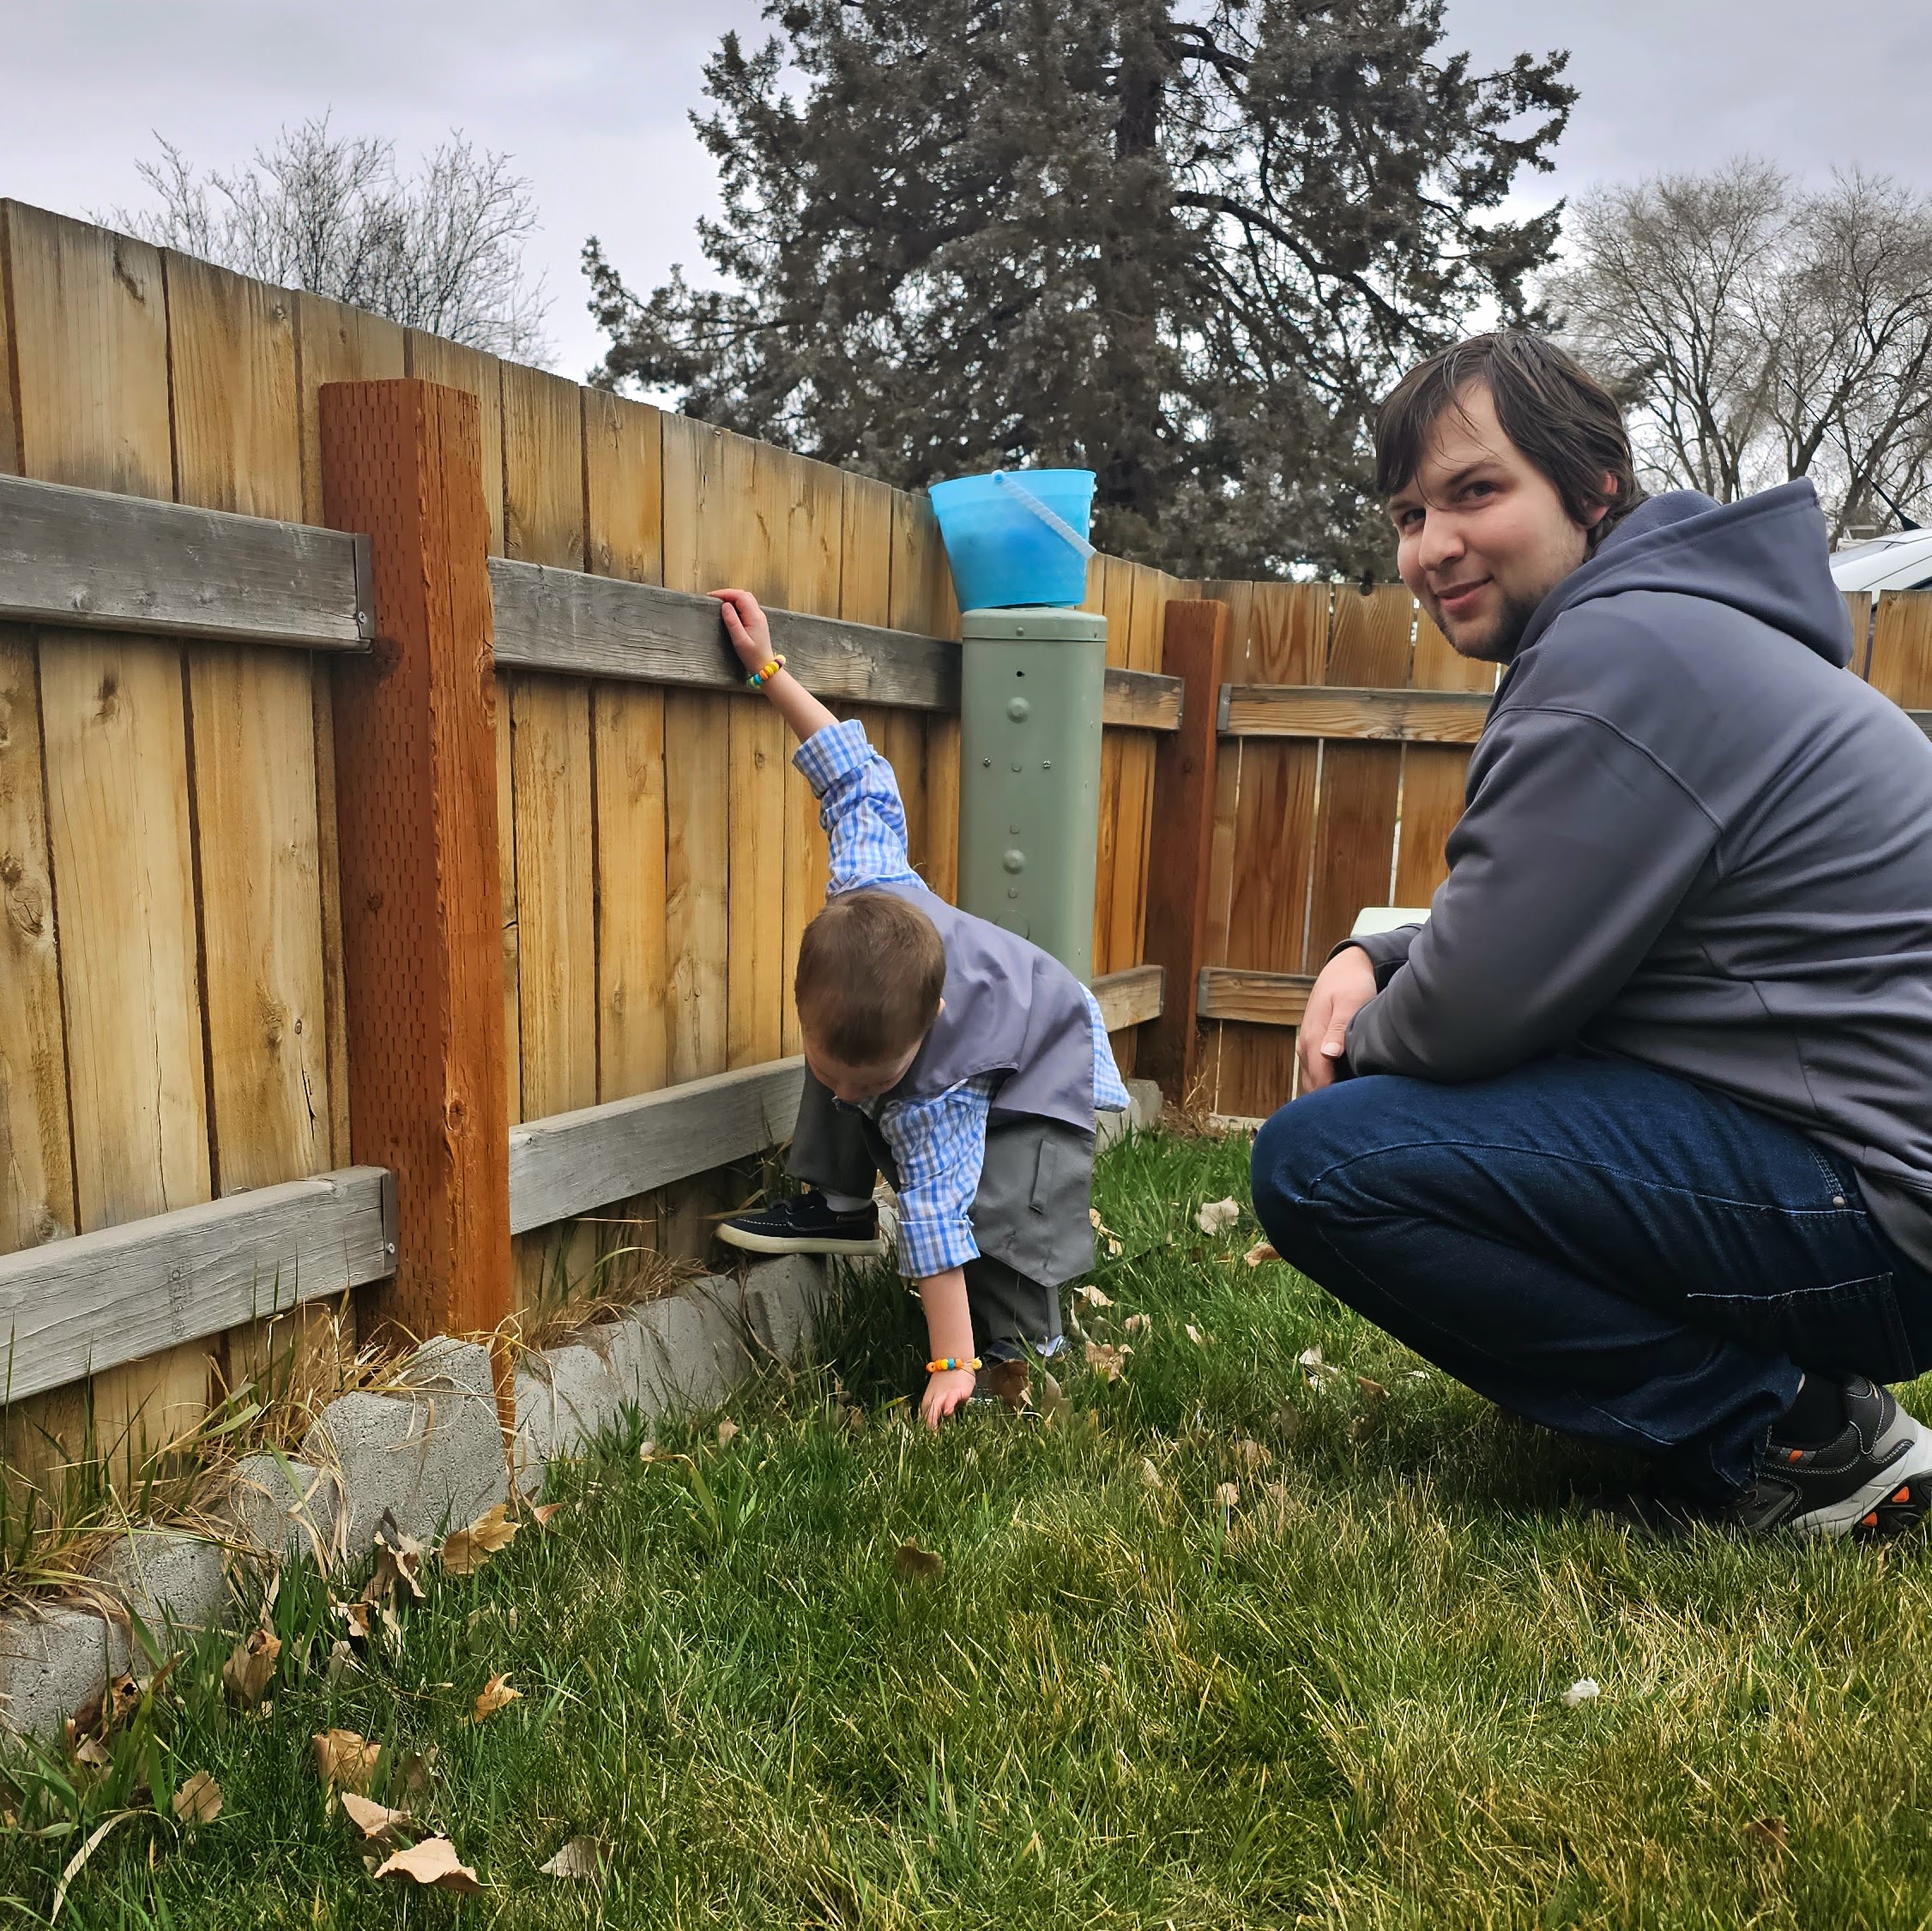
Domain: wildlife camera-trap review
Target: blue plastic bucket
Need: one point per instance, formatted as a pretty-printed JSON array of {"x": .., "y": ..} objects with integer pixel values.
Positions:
[{"x": 1016, "y": 536}]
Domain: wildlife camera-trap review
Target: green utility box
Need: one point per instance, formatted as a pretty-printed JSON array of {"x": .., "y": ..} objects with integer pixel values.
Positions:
[{"x": 1033, "y": 683}]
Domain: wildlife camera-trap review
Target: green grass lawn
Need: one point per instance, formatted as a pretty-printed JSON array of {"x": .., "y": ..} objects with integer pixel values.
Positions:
[{"x": 1337, "y": 1701}]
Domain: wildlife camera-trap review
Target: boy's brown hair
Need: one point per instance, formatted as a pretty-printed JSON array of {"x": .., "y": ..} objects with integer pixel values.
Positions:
[
  {"x": 1555, "y": 411},
  {"x": 870, "y": 973}
]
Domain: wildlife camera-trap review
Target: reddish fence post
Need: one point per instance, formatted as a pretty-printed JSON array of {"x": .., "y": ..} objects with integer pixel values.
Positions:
[
  {"x": 1192, "y": 648},
  {"x": 416, "y": 804}
]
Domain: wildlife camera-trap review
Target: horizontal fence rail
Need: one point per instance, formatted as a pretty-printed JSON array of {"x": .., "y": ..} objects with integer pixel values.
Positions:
[
  {"x": 1261, "y": 999},
  {"x": 97, "y": 1301},
  {"x": 569, "y": 623},
  {"x": 83, "y": 558},
  {"x": 1316, "y": 710}
]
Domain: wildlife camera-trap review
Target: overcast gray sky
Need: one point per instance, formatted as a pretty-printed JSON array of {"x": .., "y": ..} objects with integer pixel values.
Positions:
[{"x": 591, "y": 97}]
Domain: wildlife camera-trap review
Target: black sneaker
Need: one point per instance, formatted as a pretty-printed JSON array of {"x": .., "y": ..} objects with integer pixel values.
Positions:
[
  {"x": 1874, "y": 1480},
  {"x": 806, "y": 1226}
]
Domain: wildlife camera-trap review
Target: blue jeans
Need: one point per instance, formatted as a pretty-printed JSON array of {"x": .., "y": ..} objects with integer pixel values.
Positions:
[{"x": 1598, "y": 1246}]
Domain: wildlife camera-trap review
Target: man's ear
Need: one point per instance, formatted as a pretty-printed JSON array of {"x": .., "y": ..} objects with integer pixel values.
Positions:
[{"x": 1599, "y": 511}]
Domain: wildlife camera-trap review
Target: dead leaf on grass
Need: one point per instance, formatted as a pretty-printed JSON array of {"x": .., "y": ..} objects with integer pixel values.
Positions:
[
  {"x": 1093, "y": 1296},
  {"x": 341, "y": 1660},
  {"x": 1200, "y": 1339},
  {"x": 1149, "y": 1473},
  {"x": 398, "y": 1558},
  {"x": 1770, "y": 1831},
  {"x": 1052, "y": 1401},
  {"x": 1216, "y": 1215},
  {"x": 580, "y": 1857},
  {"x": 496, "y": 1695},
  {"x": 917, "y": 1565},
  {"x": 466, "y": 1550},
  {"x": 727, "y": 1433},
  {"x": 1373, "y": 1390},
  {"x": 1136, "y": 1324},
  {"x": 199, "y": 1800},
  {"x": 1252, "y": 1455},
  {"x": 433, "y": 1861},
  {"x": 377, "y": 1822},
  {"x": 1108, "y": 1361},
  {"x": 1260, "y": 1251},
  {"x": 92, "y": 1752},
  {"x": 1228, "y": 1494},
  {"x": 345, "y": 1760},
  {"x": 250, "y": 1667},
  {"x": 647, "y": 1450},
  {"x": 543, "y": 1512}
]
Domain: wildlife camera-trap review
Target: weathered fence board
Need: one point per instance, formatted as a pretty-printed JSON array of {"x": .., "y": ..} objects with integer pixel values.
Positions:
[
  {"x": 1258, "y": 998},
  {"x": 122, "y": 1294},
  {"x": 79, "y": 557},
  {"x": 1289, "y": 710}
]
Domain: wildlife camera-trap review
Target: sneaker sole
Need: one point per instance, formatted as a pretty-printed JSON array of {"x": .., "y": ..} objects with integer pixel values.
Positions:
[
  {"x": 1896, "y": 1499},
  {"x": 792, "y": 1243}
]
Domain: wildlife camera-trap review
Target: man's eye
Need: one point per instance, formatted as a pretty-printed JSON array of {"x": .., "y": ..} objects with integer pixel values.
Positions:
[{"x": 1479, "y": 490}]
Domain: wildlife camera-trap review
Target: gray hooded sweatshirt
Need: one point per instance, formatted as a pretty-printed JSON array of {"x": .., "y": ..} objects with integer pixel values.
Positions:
[{"x": 1692, "y": 839}]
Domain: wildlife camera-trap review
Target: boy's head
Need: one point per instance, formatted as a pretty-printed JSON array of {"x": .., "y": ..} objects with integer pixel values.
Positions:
[
  {"x": 871, "y": 970},
  {"x": 1503, "y": 464}
]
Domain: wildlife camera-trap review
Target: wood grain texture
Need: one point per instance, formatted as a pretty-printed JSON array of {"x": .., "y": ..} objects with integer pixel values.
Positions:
[
  {"x": 1130, "y": 997},
  {"x": 1901, "y": 662},
  {"x": 238, "y": 447},
  {"x": 502, "y": 698},
  {"x": 571, "y": 1163},
  {"x": 1286, "y": 711},
  {"x": 1194, "y": 639},
  {"x": 1262, "y": 998},
  {"x": 1438, "y": 668},
  {"x": 1434, "y": 779},
  {"x": 622, "y": 487},
  {"x": 121, "y": 1297},
  {"x": 430, "y": 359},
  {"x": 89, "y": 382},
  {"x": 416, "y": 757},
  {"x": 922, "y": 602}
]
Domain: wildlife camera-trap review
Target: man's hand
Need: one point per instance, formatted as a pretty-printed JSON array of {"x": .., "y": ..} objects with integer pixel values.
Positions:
[
  {"x": 943, "y": 1393},
  {"x": 745, "y": 625},
  {"x": 1345, "y": 986}
]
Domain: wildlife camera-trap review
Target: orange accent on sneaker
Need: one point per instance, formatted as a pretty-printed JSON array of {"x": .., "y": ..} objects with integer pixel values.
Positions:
[
  {"x": 1868, "y": 1521},
  {"x": 1904, "y": 1494}
]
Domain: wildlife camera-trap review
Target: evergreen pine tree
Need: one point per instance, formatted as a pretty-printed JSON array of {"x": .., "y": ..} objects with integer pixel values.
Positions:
[{"x": 1185, "y": 246}]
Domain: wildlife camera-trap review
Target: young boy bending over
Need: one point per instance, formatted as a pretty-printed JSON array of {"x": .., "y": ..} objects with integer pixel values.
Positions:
[{"x": 962, "y": 1061}]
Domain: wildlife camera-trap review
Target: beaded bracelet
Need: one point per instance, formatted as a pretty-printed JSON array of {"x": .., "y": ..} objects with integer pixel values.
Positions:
[
  {"x": 948, "y": 1364},
  {"x": 772, "y": 669}
]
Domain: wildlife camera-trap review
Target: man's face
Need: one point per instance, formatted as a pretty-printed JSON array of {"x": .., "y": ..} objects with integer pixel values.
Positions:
[{"x": 1482, "y": 536}]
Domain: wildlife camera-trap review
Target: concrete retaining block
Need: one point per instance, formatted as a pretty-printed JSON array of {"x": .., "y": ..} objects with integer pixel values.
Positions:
[
  {"x": 636, "y": 1360},
  {"x": 51, "y": 1661},
  {"x": 563, "y": 1398},
  {"x": 280, "y": 1506},
  {"x": 433, "y": 1456},
  {"x": 689, "y": 1363},
  {"x": 176, "y": 1581},
  {"x": 783, "y": 1299}
]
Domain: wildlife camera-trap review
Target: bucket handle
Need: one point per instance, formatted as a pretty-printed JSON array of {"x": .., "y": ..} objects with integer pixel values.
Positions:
[{"x": 1058, "y": 524}]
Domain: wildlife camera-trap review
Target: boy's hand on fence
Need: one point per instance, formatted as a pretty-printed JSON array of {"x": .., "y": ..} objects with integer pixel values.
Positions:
[
  {"x": 745, "y": 625},
  {"x": 1345, "y": 986},
  {"x": 943, "y": 1393}
]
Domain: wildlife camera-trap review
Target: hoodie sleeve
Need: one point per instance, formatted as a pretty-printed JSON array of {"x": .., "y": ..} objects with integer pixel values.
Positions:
[{"x": 1576, "y": 848}]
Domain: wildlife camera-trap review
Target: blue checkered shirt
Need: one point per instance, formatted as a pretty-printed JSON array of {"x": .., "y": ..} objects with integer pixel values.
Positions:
[{"x": 939, "y": 1143}]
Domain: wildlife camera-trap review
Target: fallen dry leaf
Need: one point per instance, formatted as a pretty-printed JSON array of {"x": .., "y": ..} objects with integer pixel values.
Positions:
[
  {"x": 543, "y": 1512},
  {"x": 1217, "y": 1214},
  {"x": 356, "y": 1617},
  {"x": 1252, "y": 1455},
  {"x": 92, "y": 1752},
  {"x": 727, "y": 1433},
  {"x": 398, "y": 1558},
  {"x": 341, "y": 1660},
  {"x": 1136, "y": 1324},
  {"x": 497, "y": 1694},
  {"x": 345, "y": 1760},
  {"x": 1258, "y": 1253},
  {"x": 580, "y": 1857},
  {"x": 1374, "y": 1389},
  {"x": 647, "y": 1450},
  {"x": 250, "y": 1667},
  {"x": 1052, "y": 1401},
  {"x": 465, "y": 1551},
  {"x": 1769, "y": 1831},
  {"x": 1289, "y": 1422},
  {"x": 1228, "y": 1494},
  {"x": 1317, "y": 1371},
  {"x": 1092, "y": 1296},
  {"x": 378, "y": 1823},
  {"x": 917, "y": 1565},
  {"x": 1149, "y": 1473},
  {"x": 1195, "y": 1334},
  {"x": 433, "y": 1861},
  {"x": 1115, "y": 1250},
  {"x": 1108, "y": 1361},
  {"x": 199, "y": 1800}
]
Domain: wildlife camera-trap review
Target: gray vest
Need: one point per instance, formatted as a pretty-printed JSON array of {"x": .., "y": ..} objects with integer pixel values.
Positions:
[{"x": 1010, "y": 1008}]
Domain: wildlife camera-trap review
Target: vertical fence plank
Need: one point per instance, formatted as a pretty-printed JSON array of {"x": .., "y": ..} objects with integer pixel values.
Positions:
[
  {"x": 696, "y": 778},
  {"x": 90, "y": 380},
  {"x": 1194, "y": 640},
  {"x": 238, "y": 447},
  {"x": 922, "y": 599},
  {"x": 623, "y": 498},
  {"x": 1433, "y": 776},
  {"x": 1901, "y": 662}
]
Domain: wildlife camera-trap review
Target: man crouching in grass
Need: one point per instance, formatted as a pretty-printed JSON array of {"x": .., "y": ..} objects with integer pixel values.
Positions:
[
  {"x": 959, "y": 1058},
  {"x": 1634, "y": 1135}
]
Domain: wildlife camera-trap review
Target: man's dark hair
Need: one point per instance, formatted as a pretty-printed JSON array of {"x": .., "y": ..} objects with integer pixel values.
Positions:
[
  {"x": 1562, "y": 418},
  {"x": 871, "y": 969}
]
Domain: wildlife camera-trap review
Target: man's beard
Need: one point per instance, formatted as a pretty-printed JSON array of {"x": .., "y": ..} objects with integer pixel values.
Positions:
[{"x": 1505, "y": 637}]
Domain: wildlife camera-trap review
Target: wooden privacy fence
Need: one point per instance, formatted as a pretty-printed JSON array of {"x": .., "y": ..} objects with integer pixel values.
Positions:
[{"x": 199, "y": 689}]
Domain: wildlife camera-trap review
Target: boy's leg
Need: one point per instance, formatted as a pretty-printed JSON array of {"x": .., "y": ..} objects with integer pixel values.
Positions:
[
  {"x": 1598, "y": 1246},
  {"x": 831, "y": 1152},
  {"x": 1013, "y": 1320}
]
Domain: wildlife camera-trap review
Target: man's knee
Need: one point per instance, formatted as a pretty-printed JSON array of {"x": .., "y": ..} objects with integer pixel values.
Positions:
[{"x": 1303, "y": 1143}]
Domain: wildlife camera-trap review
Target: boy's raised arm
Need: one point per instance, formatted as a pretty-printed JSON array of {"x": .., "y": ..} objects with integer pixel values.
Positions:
[{"x": 750, "y": 638}]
